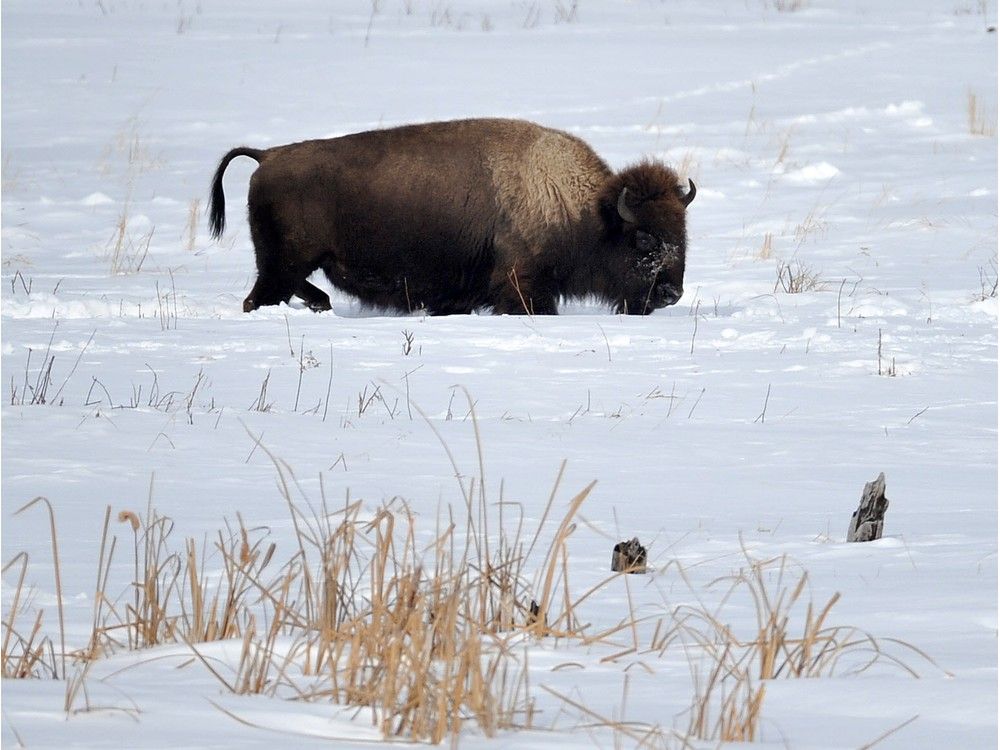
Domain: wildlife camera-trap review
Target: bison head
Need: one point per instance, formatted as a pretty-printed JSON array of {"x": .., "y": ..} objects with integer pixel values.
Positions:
[{"x": 644, "y": 210}]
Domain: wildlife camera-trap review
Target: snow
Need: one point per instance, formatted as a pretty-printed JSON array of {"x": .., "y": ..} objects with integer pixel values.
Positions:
[{"x": 836, "y": 136}]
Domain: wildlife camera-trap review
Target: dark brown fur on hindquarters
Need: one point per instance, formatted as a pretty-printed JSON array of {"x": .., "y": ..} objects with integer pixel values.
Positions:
[{"x": 459, "y": 216}]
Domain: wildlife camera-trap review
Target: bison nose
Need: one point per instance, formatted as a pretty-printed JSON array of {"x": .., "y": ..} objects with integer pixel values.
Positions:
[{"x": 670, "y": 294}]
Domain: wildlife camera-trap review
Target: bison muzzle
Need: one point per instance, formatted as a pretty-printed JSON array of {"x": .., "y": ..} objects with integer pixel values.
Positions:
[{"x": 453, "y": 217}]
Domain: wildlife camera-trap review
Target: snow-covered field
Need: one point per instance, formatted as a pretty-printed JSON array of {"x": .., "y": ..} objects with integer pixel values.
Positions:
[{"x": 854, "y": 143}]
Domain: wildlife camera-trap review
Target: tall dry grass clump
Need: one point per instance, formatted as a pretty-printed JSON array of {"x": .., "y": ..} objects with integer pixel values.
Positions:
[
  {"x": 425, "y": 630},
  {"x": 727, "y": 703},
  {"x": 422, "y": 633},
  {"x": 419, "y": 647},
  {"x": 793, "y": 638}
]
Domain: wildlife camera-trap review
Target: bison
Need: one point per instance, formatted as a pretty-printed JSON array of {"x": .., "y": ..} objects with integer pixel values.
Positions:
[{"x": 454, "y": 217}]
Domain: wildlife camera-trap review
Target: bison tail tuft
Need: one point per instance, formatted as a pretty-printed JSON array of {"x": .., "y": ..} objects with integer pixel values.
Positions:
[{"x": 217, "y": 200}]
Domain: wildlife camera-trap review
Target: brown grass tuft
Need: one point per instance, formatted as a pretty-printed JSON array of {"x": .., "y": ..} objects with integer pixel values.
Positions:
[{"x": 795, "y": 277}]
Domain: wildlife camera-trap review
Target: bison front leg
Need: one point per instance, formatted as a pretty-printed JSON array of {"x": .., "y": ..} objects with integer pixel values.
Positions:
[
  {"x": 518, "y": 293},
  {"x": 315, "y": 298}
]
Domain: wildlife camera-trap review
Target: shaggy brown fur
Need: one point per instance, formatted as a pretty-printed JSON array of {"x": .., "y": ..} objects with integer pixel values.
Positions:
[{"x": 458, "y": 216}]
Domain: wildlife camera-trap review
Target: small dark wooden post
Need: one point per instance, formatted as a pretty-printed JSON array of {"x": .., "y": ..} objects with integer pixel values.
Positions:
[
  {"x": 629, "y": 557},
  {"x": 866, "y": 521}
]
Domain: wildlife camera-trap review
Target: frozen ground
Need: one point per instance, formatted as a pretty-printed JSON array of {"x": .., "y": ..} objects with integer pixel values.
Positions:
[{"x": 835, "y": 137}]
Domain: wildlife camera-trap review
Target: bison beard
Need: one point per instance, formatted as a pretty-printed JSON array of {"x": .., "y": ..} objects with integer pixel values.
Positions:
[{"x": 458, "y": 216}]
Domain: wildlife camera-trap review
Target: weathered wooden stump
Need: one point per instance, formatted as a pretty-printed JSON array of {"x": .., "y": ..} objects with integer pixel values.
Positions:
[
  {"x": 866, "y": 521},
  {"x": 629, "y": 557}
]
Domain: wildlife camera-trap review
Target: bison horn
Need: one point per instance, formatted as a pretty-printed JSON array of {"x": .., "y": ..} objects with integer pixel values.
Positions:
[
  {"x": 623, "y": 210},
  {"x": 690, "y": 194}
]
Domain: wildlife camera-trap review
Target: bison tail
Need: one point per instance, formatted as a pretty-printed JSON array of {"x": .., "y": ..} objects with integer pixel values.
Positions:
[{"x": 217, "y": 201}]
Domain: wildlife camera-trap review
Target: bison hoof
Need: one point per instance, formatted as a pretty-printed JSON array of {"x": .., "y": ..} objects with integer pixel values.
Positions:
[{"x": 319, "y": 306}]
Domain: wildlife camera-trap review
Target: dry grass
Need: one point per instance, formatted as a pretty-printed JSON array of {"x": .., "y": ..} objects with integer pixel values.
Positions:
[
  {"x": 129, "y": 146},
  {"x": 10, "y": 176},
  {"x": 427, "y": 630},
  {"x": 688, "y": 168},
  {"x": 786, "y": 6},
  {"x": 988, "y": 281},
  {"x": 812, "y": 224},
  {"x": 566, "y": 13},
  {"x": 36, "y": 393},
  {"x": 166, "y": 305},
  {"x": 727, "y": 705},
  {"x": 26, "y": 653},
  {"x": 792, "y": 639},
  {"x": 982, "y": 121},
  {"x": 794, "y": 277},
  {"x": 127, "y": 249},
  {"x": 730, "y": 669},
  {"x": 261, "y": 403},
  {"x": 57, "y": 579},
  {"x": 783, "y": 144},
  {"x": 361, "y": 612},
  {"x": 766, "y": 250},
  {"x": 422, "y": 635},
  {"x": 191, "y": 228},
  {"x": 886, "y": 366}
]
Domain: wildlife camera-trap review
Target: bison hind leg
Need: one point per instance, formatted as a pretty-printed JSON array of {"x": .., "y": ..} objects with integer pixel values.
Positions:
[
  {"x": 271, "y": 290},
  {"x": 282, "y": 267},
  {"x": 268, "y": 290}
]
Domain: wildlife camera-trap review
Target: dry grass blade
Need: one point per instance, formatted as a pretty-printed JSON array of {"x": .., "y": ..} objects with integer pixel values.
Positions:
[
  {"x": 31, "y": 655},
  {"x": 628, "y": 729},
  {"x": 58, "y": 577},
  {"x": 207, "y": 664},
  {"x": 888, "y": 733},
  {"x": 9, "y": 667},
  {"x": 980, "y": 123},
  {"x": 556, "y": 548},
  {"x": 98, "y": 633},
  {"x": 293, "y": 733}
]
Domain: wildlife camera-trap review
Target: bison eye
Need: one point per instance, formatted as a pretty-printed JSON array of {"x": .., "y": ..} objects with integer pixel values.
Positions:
[{"x": 645, "y": 242}]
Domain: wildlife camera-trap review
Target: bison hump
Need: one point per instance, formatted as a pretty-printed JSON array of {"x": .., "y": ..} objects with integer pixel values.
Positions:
[{"x": 546, "y": 178}]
